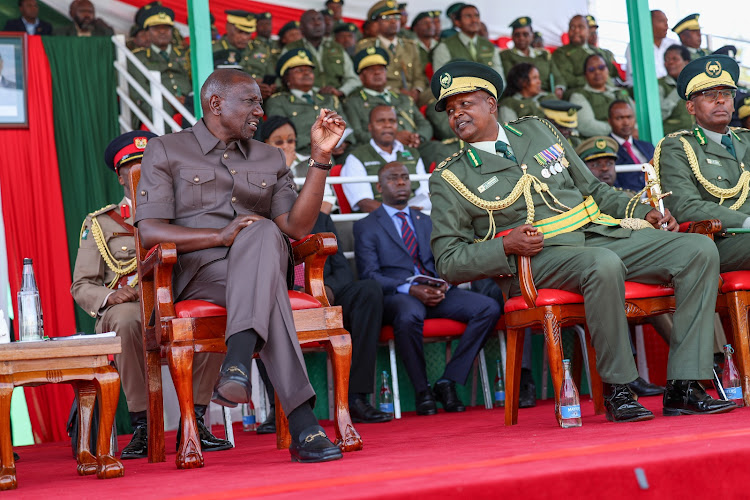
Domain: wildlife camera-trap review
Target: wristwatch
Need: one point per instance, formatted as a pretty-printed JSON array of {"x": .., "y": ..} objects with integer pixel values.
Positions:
[{"x": 322, "y": 166}]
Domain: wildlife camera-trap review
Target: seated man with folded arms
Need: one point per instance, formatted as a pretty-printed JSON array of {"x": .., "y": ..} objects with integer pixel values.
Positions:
[{"x": 228, "y": 203}]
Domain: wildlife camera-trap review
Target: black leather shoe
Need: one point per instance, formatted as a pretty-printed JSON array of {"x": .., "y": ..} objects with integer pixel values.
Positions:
[
  {"x": 445, "y": 392},
  {"x": 16, "y": 457},
  {"x": 425, "y": 402},
  {"x": 138, "y": 445},
  {"x": 269, "y": 424},
  {"x": 621, "y": 405},
  {"x": 688, "y": 397},
  {"x": 362, "y": 412},
  {"x": 209, "y": 442},
  {"x": 527, "y": 390},
  {"x": 642, "y": 388},
  {"x": 233, "y": 386},
  {"x": 312, "y": 445}
]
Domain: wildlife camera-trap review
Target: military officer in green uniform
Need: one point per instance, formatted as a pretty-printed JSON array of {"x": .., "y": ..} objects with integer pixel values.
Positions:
[
  {"x": 423, "y": 27},
  {"x": 593, "y": 40},
  {"x": 289, "y": 33},
  {"x": 405, "y": 71},
  {"x": 674, "y": 114},
  {"x": 523, "y": 52},
  {"x": 105, "y": 284},
  {"x": 302, "y": 103},
  {"x": 708, "y": 168},
  {"x": 334, "y": 73},
  {"x": 263, "y": 31},
  {"x": 523, "y": 94},
  {"x": 347, "y": 35},
  {"x": 467, "y": 44},
  {"x": 570, "y": 58},
  {"x": 519, "y": 189},
  {"x": 689, "y": 31},
  {"x": 564, "y": 116},
  {"x": 171, "y": 61}
]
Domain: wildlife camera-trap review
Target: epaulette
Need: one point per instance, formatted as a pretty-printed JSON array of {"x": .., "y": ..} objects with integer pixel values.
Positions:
[
  {"x": 524, "y": 118},
  {"x": 177, "y": 51},
  {"x": 449, "y": 160},
  {"x": 739, "y": 129},
  {"x": 276, "y": 94},
  {"x": 679, "y": 133},
  {"x": 103, "y": 210},
  {"x": 336, "y": 102},
  {"x": 320, "y": 96},
  {"x": 138, "y": 49},
  {"x": 91, "y": 216}
]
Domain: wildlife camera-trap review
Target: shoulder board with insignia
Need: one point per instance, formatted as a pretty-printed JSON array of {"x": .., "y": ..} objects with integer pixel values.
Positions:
[
  {"x": 276, "y": 94},
  {"x": 138, "y": 49},
  {"x": 450, "y": 160},
  {"x": 734, "y": 131},
  {"x": 148, "y": 52},
  {"x": 699, "y": 135},
  {"x": 103, "y": 210},
  {"x": 177, "y": 51},
  {"x": 524, "y": 118},
  {"x": 336, "y": 102},
  {"x": 363, "y": 94},
  {"x": 679, "y": 133},
  {"x": 513, "y": 129}
]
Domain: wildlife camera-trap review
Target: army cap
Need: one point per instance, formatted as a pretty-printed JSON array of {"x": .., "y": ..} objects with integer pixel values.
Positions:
[
  {"x": 591, "y": 21},
  {"x": 383, "y": 8},
  {"x": 326, "y": 12},
  {"x": 461, "y": 77},
  {"x": 743, "y": 111},
  {"x": 521, "y": 22},
  {"x": 564, "y": 113},
  {"x": 126, "y": 148},
  {"x": 423, "y": 15},
  {"x": 727, "y": 50},
  {"x": 242, "y": 20},
  {"x": 454, "y": 8},
  {"x": 340, "y": 2},
  {"x": 597, "y": 147},
  {"x": 371, "y": 56},
  {"x": 291, "y": 25},
  {"x": 342, "y": 27},
  {"x": 263, "y": 15},
  {"x": 706, "y": 73},
  {"x": 688, "y": 23},
  {"x": 157, "y": 15},
  {"x": 293, "y": 59}
]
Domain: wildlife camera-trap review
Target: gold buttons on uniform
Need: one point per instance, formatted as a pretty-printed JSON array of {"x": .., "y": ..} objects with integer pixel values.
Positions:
[
  {"x": 143, "y": 193},
  {"x": 124, "y": 248},
  {"x": 226, "y": 155},
  {"x": 169, "y": 65},
  {"x": 233, "y": 171},
  {"x": 315, "y": 108},
  {"x": 263, "y": 183},
  {"x": 234, "y": 199},
  {"x": 93, "y": 314},
  {"x": 174, "y": 87},
  {"x": 497, "y": 197},
  {"x": 719, "y": 177},
  {"x": 409, "y": 65},
  {"x": 196, "y": 179},
  {"x": 294, "y": 113},
  {"x": 338, "y": 61},
  {"x": 395, "y": 72}
]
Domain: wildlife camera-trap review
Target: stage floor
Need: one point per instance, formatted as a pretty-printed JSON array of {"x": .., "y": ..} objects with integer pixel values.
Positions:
[{"x": 448, "y": 455}]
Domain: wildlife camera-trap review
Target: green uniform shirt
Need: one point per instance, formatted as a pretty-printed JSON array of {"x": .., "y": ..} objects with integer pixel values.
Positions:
[
  {"x": 405, "y": 70},
  {"x": 516, "y": 106},
  {"x": 548, "y": 72},
  {"x": 569, "y": 60},
  {"x": 674, "y": 114},
  {"x": 175, "y": 74},
  {"x": 372, "y": 161},
  {"x": 457, "y": 47},
  {"x": 255, "y": 59},
  {"x": 594, "y": 112},
  {"x": 334, "y": 66},
  {"x": 272, "y": 45}
]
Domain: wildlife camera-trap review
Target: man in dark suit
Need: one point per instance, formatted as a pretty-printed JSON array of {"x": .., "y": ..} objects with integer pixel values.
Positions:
[
  {"x": 391, "y": 245},
  {"x": 622, "y": 120},
  {"x": 29, "y": 20}
]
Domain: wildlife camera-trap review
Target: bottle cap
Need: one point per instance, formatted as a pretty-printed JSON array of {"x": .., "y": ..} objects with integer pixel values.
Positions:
[
  {"x": 26, "y": 261},
  {"x": 566, "y": 361}
]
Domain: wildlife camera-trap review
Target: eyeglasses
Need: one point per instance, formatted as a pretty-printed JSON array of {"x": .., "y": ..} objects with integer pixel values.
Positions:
[
  {"x": 390, "y": 16},
  {"x": 713, "y": 95},
  {"x": 601, "y": 67}
]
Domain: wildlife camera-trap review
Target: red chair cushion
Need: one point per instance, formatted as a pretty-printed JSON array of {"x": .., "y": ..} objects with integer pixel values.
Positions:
[
  {"x": 685, "y": 226},
  {"x": 551, "y": 296},
  {"x": 204, "y": 309},
  {"x": 435, "y": 327},
  {"x": 735, "y": 281}
]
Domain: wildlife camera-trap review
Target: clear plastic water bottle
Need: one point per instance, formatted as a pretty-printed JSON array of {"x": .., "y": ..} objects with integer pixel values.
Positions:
[
  {"x": 499, "y": 387},
  {"x": 30, "y": 320},
  {"x": 570, "y": 406},
  {"x": 248, "y": 417},
  {"x": 386, "y": 397},
  {"x": 730, "y": 378}
]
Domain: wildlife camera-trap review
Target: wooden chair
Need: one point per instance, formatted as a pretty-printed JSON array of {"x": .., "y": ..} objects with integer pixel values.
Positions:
[
  {"x": 434, "y": 330},
  {"x": 551, "y": 310},
  {"x": 178, "y": 330}
]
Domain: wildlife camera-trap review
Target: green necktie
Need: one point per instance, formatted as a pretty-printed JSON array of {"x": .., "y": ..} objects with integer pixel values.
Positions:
[
  {"x": 308, "y": 98},
  {"x": 164, "y": 54},
  {"x": 386, "y": 97},
  {"x": 726, "y": 141},
  {"x": 505, "y": 149},
  {"x": 473, "y": 49},
  {"x": 392, "y": 48}
]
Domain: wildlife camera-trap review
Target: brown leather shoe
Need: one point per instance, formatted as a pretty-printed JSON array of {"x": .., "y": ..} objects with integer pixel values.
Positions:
[{"x": 688, "y": 397}]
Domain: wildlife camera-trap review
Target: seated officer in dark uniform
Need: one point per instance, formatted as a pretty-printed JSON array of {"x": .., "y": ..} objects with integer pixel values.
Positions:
[
  {"x": 228, "y": 203},
  {"x": 707, "y": 168},
  {"x": 105, "y": 285},
  {"x": 520, "y": 189}
]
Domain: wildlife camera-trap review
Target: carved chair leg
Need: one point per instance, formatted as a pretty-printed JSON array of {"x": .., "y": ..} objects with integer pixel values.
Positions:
[
  {"x": 738, "y": 303},
  {"x": 339, "y": 350},
  {"x": 155, "y": 410},
  {"x": 595, "y": 381},
  {"x": 180, "y": 359},
  {"x": 86, "y": 397},
  {"x": 108, "y": 390},
  {"x": 283, "y": 438},
  {"x": 553, "y": 339},
  {"x": 514, "y": 341},
  {"x": 8, "y": 465}
]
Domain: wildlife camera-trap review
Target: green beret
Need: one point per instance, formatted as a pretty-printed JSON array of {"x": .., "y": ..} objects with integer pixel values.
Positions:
[
  {"x": 422, "y": 15},
  {"x": 591, "y": 21},
  {"x": 597, "y": 147},
  {"x": 383, "y": 8},
  {"x": 461, "y": 77},
  {"x": 688, "y": 23},
  {"x": 706, "y": 73},
  {"x": 126, "y": 148},
  {"x": 563, "y": 113},
  {"x": 454, "y": 8},
  {"x": 292, "y": 59},
  {"x": 291, "y": 25},
  {"x": 521, "y": 22},
  {"x": 371, "y": 56},
  {"x": 341, "y": 27}
]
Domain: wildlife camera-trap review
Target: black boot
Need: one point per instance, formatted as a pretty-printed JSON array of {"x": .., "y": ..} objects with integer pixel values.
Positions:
[
  {"x": 138, "y": 445},
  {"x": 688, "y": 397},
  {"x": 209, "y": 442},
  {"x": 621, "y": 404},
  {"x": 527, "y": 390},
  {"x": 269, "y": 424}
]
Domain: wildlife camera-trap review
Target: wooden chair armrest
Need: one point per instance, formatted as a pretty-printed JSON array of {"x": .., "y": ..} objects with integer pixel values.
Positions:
[
  {"x": 158, "y": 264},
  {"x": 708, "y": 227},
  {"x": 526, "y": 279},
  {"x": 313, "y": 251},
  {"x": 159, "y": 255}
]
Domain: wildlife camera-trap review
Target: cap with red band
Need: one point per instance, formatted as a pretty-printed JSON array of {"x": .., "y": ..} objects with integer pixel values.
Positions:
[{"x": 126, "y": 148}]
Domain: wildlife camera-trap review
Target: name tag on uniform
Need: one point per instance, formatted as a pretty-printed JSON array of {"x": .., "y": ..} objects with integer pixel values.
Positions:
[
  {"x": 484, "y": 187},
  {"x": 711, "y": 161},
  {"x": 368, "y": 163}
]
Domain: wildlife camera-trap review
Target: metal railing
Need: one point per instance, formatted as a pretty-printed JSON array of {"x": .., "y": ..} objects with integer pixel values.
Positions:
[{"x": 125, "y": 62}]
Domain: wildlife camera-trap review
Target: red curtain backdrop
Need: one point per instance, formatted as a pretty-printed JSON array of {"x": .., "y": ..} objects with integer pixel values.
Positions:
[{"x": 35, "y": 227}]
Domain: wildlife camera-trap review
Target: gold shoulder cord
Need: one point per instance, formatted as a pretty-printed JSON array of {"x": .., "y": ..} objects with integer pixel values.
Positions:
[
  {"x": 119, "y": 268},
  {"x": 742, "y": 187}
]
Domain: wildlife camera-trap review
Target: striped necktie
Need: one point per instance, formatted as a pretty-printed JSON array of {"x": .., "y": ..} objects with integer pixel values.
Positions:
[{"x": 410, "y": 241}]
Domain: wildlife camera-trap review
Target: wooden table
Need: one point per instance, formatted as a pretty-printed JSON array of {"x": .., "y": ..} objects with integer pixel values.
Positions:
[{"x": 85, "y": 365}]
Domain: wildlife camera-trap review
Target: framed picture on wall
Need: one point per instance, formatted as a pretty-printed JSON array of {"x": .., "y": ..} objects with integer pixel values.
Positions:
[{"x": 13, "y": 81}]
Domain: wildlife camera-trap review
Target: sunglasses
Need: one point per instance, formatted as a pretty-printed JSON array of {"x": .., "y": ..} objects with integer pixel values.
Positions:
[{"x": 600, "y": 67}]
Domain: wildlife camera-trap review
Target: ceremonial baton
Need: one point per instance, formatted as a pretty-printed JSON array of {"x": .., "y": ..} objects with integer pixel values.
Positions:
[{"x": 654, "y": 194}]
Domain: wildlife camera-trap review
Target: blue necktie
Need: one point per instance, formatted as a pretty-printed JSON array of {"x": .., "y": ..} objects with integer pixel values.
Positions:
[{"x": 410, "y": 241}]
